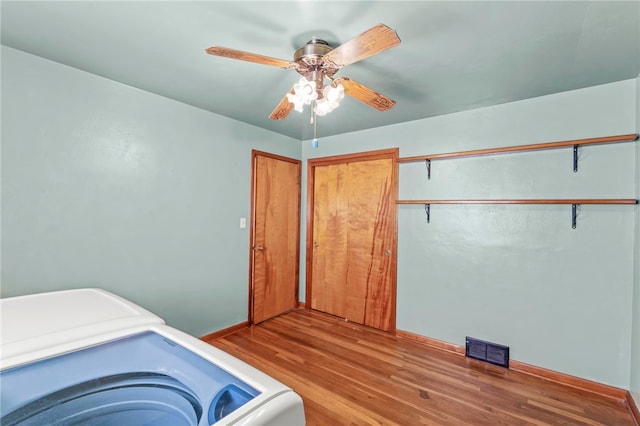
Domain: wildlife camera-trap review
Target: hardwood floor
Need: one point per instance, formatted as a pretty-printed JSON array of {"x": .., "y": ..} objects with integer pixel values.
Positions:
[{"x": 349, "y": 374}]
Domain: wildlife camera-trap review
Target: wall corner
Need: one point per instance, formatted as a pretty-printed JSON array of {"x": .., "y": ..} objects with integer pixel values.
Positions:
[{"x": 634, "y": 381}]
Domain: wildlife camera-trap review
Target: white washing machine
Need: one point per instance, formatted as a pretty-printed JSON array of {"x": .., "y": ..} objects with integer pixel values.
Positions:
[{"x": 88, "y": 357}]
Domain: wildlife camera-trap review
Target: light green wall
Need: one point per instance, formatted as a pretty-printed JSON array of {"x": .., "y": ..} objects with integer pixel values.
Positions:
[
  {"x": 105, "y": 185},
  {"x": 518, "y": 275},
  {"x": 635, "y": 343}
]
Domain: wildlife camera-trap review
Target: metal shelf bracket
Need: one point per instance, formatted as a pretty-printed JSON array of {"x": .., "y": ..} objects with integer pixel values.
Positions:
[
  {"x": 427, "y": 210},
  {"x": 428, "y": 164},
  {"x": 575, "y": 159},
  {"x": 574, "y": 215}
]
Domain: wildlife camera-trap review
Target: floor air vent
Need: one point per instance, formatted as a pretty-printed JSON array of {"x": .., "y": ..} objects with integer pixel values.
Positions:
[{"x": 487, "y": 351}]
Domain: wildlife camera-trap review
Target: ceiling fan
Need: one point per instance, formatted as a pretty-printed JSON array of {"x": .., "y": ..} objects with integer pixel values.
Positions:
[{"x": 316, "y": 61}]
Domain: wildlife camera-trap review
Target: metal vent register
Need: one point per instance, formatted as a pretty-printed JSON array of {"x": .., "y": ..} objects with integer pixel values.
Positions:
[{"x": 487, "y": 351}]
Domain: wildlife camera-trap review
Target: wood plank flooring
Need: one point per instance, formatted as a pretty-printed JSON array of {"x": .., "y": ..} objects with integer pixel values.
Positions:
[{"x": 349, "y": 374}]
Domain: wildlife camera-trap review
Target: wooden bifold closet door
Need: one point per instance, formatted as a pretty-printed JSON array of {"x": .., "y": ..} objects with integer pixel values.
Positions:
[{"x": 351, "y": 237}]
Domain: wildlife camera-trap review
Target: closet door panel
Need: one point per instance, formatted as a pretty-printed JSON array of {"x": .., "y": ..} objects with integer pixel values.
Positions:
[
  {"x": 370, "y": 241},
  {"x": 330, "y": 229}
]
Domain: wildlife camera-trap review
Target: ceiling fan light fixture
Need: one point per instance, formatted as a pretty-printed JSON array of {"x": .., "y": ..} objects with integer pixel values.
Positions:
[
  {"x": 323, "y": 107},
  {"x": 298, "y": 104},
  {"x": 304, "y": 92},
  {"x": 334, "y": 93},
  {"x": 331, "y": 97}
]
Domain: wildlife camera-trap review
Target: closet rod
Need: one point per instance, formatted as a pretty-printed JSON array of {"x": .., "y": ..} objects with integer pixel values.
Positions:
[
  {"x": 528, "y": 201},
  {"x": 532, "y": 147}
]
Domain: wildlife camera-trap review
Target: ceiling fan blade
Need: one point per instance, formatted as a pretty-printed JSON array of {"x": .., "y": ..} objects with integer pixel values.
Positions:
[
  {"x": 364, "y": 94},
  {"x": 374, "y": 40},
  {"x": 283, "y": 108},
  {"x": 250, "y": 57}
]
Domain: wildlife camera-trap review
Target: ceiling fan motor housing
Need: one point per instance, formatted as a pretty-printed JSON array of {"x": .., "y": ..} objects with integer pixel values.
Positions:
[
  {"x": 312, "y": 52},
  {"x": 311, "y": 64}
]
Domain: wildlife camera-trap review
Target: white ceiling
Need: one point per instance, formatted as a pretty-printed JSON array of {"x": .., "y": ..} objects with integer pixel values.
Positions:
[{"x": 454, "y": 55}]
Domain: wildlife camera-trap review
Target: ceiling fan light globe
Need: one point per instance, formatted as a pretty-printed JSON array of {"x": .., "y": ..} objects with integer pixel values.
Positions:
[
  {"x": 321, "y": 111},
  {"x": 304, "y": 86},
  {"x": 297, "y": 101},
  {"x": 305, "y": 91},
  {"x": 326, "y": 93},
  {"x": 334, "y": 94},
  {"x": 324, "y": 107}
]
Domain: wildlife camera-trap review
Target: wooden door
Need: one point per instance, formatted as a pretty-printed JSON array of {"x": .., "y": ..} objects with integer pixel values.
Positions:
[
  {"x": 275, "y": 236},
  {"x": 351, "y": 237},
  {"x": 330, "y": 250}
]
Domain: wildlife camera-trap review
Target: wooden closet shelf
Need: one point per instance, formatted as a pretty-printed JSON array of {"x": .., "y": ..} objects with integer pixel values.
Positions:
[
  {"x": 518, "y": 148},
  {"x": 527, "y": 201},
  {"x": 574, "y": 202}
]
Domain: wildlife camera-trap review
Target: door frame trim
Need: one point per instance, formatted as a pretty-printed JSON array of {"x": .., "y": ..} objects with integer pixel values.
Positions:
[
  {"x": 312, "y": 163},
  {"x": 252, "y": 221}
]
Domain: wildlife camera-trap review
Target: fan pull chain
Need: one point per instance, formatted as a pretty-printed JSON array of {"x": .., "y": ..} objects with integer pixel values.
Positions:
[{"x": 313, "y": 121}]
